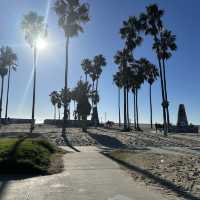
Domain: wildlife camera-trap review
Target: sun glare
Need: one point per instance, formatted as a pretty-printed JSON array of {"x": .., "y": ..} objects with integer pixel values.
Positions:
[{"x": 41, "y": 43}]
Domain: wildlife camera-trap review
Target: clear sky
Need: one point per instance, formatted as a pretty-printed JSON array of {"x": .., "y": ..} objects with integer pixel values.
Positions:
[{"x": 102, "y": 36}]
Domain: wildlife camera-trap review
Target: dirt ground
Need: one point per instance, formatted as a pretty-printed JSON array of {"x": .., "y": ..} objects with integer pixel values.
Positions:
[{"x": 183, "y": 170}]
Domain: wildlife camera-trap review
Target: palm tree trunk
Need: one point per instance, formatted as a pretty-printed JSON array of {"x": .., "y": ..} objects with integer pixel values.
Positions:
[
  {"x": 125, "y": 115},
  {"x": 165, "y": 89},
  {"x": 54, "y": 112},
  {"x": 59, "y": 113},
  {"x": 8, "y": 89},
  {"x": 66, "y": 86},
  {"x": 119, "y": 107},
  {"x": 127, "y": 107},
  {"x": 163, "y": 98},
  {"x": 162, "y": 90},
  {"x": 1, "y": 99},
  {"x": 34, "y": 88},
  {"x": 92, "y": 94},
  {"x": 137, "y": 115},
  {"x": 150, "y": 103},
  {"x": 134, "y": 99}
]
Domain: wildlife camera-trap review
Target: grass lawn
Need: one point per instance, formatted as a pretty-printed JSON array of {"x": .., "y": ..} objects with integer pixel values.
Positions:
[{"x": 26, "y": 155}]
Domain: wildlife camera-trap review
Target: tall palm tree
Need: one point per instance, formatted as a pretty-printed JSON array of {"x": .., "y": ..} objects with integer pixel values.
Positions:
[
  {"x": 151, "y": 23},
  {"x": 34, "y": 28},
  {"x": 86, "y": 66},
  {"x": 166, "y": 45},
  {"x": 117, "y": 78},
  {"x": 137, "y": 79},
  {"x": 151, "y": 74},
  {"x": 130, "y": 33},
  {"x": 11, "y": 63},
  {"x": 99, "y": 62},
  {"x": 72, "y": 14},
  {"x": 121, "y": 59}
]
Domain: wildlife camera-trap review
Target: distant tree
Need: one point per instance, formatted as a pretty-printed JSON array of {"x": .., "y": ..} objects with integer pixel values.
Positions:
[
  {"x": 65, "y": 96},
  {"x": 99, "y": 62},
  {"x": 122, "y": 58},
  {"x": 71, "y": 15},
  {"x": 11, "y": 63},
  {"x": 86, "y": 66},
  {"x": 83, "y": 93},
  {"x": 118, "y": 82},
  {"x": 137, "y": 79},
  {"x": 34, "y": 28},
  {"x": 151, "y": 74},
  {"x": 59, "y": 105},
  {"x": 54, "y": 100}
]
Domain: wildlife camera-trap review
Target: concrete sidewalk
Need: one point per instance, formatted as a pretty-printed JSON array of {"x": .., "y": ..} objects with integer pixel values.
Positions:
[{"x": 88, "y": 175}]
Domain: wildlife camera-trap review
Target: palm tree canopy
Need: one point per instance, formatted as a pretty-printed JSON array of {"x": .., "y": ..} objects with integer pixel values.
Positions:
[
  {"x": 8, "y": 57},
  {"x": 99, "y": 62},
  {"x": 86, "y": 65},
  {"x": 82, "y": 89},
  {"x": 165, "y": 45},
  {"x": 72, "y": 14},
  {"x": 54, "y": 97},
  {"x": 150, "y": 71},
  {"x": 151, "y": 21},
  {"x": 122, "y": 58},
  {"x": 65, "y": 96},
  {"x": 34, "y": 27},
  {"x": 130, "y": 32},
  {"x": 117, "y": 78}
]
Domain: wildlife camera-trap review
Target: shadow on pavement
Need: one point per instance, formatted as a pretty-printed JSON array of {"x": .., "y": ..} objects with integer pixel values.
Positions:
[{"x": 68, "y": 143}]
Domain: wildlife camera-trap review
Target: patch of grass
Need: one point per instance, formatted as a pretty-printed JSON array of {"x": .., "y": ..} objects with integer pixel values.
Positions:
[{"x": 27, "y": 155}]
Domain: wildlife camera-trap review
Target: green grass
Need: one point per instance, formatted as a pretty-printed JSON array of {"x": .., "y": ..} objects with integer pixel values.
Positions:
[{"x": 26, "y": 155}]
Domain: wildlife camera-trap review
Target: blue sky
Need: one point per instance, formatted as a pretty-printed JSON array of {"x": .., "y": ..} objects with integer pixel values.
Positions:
[{"x": 102, "y": 36}]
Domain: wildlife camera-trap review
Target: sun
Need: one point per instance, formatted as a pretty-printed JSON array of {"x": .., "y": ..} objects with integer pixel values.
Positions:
[{"x": 41, "y": 43}]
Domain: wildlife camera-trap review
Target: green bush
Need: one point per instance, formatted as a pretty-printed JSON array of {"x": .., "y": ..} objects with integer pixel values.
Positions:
[{"x": 25, "y": 155}]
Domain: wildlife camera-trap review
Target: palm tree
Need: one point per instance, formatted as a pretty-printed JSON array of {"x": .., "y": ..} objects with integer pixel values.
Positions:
[
  {"x": 11, "y": 59},
  {"x": 34, "y": 29},
  {"x": 3, "y": 73},
  {"x": 98, "y": 63},
  {"x": 54, "y": 101},
  {"x": 83, "y": 93},
  {"x": 72, "y": 14},
  {"x": 66, "y": 97},
  {"x": 151, "y": 74},
  {"x": 137, "y": 79},
  {"x": 117, "y": 78},
  {"x": 130, "y": 33},
  {"x": 59, "y": 105},
  {"x": 166, "y": 45},
  {"x": 86, "y": 66},
  {"x": 152, "y": 25},
  {"x": 121, "y": 59}
]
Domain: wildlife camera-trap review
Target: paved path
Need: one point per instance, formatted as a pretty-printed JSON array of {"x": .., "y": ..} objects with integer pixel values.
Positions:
[{"x": 88, "y": 175}]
